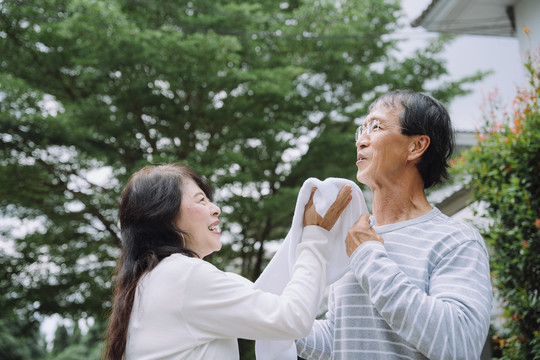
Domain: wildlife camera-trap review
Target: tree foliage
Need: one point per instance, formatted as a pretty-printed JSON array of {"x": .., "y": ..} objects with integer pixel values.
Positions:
[
  {"x": 257, "y": 96},
  {"x": 75, "y": 345},
  {"x": 20, "y": 340},
  {"x": 504, "y": 169}
]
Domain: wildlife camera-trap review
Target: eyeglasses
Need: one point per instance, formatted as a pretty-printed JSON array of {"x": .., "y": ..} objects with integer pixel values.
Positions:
[{"x": 370, "y": 128}]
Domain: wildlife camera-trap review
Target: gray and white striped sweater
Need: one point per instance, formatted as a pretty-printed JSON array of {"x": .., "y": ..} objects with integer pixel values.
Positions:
[{"x": 424, "y": 294}]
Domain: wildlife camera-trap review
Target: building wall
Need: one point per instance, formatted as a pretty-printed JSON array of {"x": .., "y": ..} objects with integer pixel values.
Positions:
[{"x": 527, "y": 13}]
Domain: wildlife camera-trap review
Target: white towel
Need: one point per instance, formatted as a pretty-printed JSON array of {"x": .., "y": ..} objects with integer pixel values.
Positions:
[{"x": 278, "y": 272}]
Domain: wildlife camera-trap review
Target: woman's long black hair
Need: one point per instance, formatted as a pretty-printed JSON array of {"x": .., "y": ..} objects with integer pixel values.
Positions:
[{"x": 149, "y": 209}]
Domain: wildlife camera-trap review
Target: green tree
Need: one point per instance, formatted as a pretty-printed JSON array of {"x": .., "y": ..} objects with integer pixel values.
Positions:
[
  {"x": 61, "y": 339},
  {"x": 257, "y": 96},
  {"x": 75, "y": 345},
  {"x": 20, "y": 340},
  {"x": 504, "y": 170}
]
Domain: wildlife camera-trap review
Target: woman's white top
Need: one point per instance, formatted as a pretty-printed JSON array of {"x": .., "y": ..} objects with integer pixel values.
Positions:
[{"x": 186, "y": 308}]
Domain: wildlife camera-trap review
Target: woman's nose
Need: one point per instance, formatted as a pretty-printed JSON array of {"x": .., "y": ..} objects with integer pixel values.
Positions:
[{"x": 215, "y": 209}]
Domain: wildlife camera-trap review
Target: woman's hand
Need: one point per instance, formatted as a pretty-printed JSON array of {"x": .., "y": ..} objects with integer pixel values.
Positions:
[
  {"x": 311, "y": 217},
  {"x": 360, "y": 233}
]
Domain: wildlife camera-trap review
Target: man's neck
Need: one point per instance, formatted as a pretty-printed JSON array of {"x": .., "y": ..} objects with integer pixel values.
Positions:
[{"x": 399, "y": 203}]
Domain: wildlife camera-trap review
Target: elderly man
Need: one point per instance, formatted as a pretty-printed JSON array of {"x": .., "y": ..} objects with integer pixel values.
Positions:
[{"x": 419, "y": 282}]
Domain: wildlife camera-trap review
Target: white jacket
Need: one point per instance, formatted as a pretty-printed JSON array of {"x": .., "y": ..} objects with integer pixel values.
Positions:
[{"x": 188, "y": 309}]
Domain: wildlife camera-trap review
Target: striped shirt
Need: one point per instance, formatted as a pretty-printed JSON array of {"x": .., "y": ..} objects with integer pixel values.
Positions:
[{"x": 424, "y": 294}]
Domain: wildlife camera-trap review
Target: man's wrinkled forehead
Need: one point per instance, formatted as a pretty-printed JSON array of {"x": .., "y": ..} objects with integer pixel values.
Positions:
[{"x": 388, "y": 103}]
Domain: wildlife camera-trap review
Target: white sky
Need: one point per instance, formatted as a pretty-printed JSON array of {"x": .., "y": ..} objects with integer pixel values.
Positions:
[{"x": 468, "y": 54}]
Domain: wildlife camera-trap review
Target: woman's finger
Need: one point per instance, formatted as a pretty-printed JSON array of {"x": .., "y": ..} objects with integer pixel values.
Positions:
[
  {"x": 310, "y": 201},
  {"x": 311, "y": 217},
  {"x": 343, "y": 199},
  {"x": 336, "y": 209}
]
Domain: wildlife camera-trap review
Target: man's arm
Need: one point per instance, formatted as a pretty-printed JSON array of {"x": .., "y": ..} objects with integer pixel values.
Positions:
[
  {"x": 451, "y": 320},
  {"x": 319, "y": 344}
]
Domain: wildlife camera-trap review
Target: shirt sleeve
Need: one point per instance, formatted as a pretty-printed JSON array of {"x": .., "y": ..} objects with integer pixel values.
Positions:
[
  {"x": 451, "y": 319},
  {"x": 218, "y": 306},
  {"x": 318, "y": 345}
]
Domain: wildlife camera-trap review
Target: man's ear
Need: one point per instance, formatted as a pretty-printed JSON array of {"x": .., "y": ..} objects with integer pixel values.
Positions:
[{"x": 417, "y": 146}]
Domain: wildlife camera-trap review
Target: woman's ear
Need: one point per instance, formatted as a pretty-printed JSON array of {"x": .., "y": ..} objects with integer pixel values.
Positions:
[{"x": 417, "y": 146}]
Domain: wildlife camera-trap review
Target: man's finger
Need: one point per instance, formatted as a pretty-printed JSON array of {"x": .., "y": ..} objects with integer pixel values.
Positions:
[{"x": 363, "y": 220}]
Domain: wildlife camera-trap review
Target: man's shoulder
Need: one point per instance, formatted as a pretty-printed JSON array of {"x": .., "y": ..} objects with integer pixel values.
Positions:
[
  {"x": 453, "y": 233},
  {"x": 455, "y": 226},
  {"x": 432, "y": 230}
]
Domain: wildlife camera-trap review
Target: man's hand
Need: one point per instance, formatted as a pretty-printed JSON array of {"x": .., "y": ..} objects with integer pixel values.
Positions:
[
  {"x": 360, "y": 233},
  {"x": 311, "y": 217}
]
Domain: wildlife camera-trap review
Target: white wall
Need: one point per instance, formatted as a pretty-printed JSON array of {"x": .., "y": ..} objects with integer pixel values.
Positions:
[{"x": 527, "y": 13}]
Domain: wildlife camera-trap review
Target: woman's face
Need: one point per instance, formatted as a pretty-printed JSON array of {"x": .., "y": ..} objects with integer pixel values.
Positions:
[{"x": 199, "y": 219}]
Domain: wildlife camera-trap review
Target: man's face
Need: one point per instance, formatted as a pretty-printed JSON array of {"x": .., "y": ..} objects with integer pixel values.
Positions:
[{"x": 382, "y": 150}]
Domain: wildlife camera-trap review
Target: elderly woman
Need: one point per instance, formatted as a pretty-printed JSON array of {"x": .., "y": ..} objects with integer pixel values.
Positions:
[{"x": 170, "y": 304}]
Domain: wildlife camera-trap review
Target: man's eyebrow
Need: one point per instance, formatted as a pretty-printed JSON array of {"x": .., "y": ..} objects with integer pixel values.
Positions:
[
  {"x": 199, "y": 193},
  {"x": 371, "y": 119}
]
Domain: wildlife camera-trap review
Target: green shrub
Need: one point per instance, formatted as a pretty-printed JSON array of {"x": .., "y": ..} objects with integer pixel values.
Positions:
[{"x": 504, "y": 173}]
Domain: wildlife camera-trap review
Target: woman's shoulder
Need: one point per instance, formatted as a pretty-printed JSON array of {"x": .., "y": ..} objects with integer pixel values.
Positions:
[
  {"x": 197, "y": 274},
  {"x": 178, "y": 267},
  {"x": 239, "y": 278},
  {"x": 183, "y": 262}
]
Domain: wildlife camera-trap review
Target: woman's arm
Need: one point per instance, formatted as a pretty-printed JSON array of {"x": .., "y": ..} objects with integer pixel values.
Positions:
[
  {"x": 217, "y": 306},
  {"x": 221, "y": 307}
]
